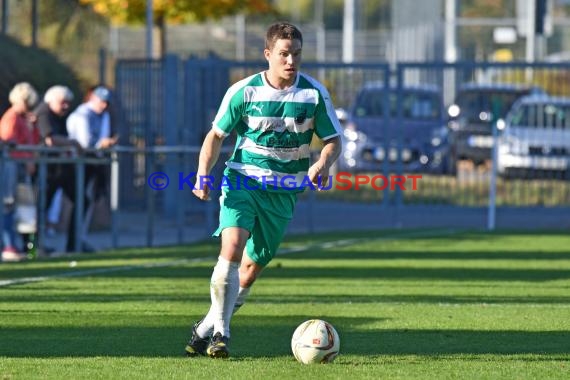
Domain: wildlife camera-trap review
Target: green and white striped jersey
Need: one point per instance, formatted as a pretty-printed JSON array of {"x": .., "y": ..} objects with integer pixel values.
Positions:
[{"x": 275, "y": 127}]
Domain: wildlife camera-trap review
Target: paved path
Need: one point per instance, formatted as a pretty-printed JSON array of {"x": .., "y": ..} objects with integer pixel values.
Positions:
[{"x": 133, "y": 229}]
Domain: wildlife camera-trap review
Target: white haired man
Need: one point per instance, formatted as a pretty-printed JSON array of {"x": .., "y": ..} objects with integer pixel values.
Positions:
[{"x": 51, "y": 116}]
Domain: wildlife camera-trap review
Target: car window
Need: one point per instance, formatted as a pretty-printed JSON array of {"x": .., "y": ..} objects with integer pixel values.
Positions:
[
  {"x": 419, "y": 106},
  {"x": 415, "y": 105},
  {"x": 472, "y": 103},
  {"x": 369, "y": 104},
  {"x": 519, "y": 116},
  {"x": 552, "y": 116}
]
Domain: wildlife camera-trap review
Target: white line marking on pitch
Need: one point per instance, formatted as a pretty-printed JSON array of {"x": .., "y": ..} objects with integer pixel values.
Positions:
[{"x": 284, "y": 251}]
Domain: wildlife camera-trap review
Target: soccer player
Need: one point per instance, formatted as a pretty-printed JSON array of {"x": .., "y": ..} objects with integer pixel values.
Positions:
[{"x": 275, "y": 114}]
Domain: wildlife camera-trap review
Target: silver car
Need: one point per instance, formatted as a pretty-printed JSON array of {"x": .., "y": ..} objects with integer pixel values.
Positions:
[{"x": 535, "y": 140}]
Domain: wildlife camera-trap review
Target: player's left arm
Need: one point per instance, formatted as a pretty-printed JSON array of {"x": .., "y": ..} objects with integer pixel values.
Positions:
[
  {"x": 328, "y": 128},
  {"x": 209, "y": 155},
  {"x": 329, "y": 154}
]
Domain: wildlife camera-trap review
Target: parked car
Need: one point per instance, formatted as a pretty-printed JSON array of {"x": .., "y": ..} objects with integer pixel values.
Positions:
[
  {"x": 535, "y": 141},
  {"x": 373, "y": 135},
  {"x": 470, "y": 117}
]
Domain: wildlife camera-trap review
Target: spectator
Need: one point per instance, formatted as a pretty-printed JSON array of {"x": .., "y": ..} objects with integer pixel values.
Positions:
[
  {"x": 51, "y": 116},
  {"x": 90, "y": 123},
  {"x": 106, "y": 139},
  {"x": 16, "y": 127},
  {"x": 90, "y": 126}
]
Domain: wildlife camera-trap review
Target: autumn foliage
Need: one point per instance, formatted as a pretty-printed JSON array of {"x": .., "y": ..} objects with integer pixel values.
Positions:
[{"x": 175, "y": 11}]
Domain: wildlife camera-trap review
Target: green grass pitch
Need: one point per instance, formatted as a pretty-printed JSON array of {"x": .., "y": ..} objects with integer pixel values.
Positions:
[{"x": 415, "y": 304}]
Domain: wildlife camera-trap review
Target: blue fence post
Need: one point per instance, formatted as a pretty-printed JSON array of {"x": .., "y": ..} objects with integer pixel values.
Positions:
[
  {"x": 171, "y": 96},
  {"x": 79, "y": 202},
  {"x": 192, "y": 106},
  {"x": 42, "y": 203},
  {"x": 386, "y": 196},
  {"x": 192, "y": 126},
  {"x": 491, "y": 213},
  {"x": 3, "y": 155},
  {"x": 398, "y": 198},
  {"x": 150, "y": 135}
]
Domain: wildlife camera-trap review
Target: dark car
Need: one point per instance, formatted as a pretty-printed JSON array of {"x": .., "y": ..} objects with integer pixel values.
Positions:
[
  {"x": 471, "y": 117},
  {"x": 373, "y": 134}
]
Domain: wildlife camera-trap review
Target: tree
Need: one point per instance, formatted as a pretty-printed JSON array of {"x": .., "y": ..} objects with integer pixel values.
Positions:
[{"x": 121, "y": 12}]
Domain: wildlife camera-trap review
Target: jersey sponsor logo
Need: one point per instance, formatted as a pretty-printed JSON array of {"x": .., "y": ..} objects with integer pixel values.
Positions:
[
  {"x": 285, "y": 139},
  {"x": 270, "y": 125},
  {"x": 301, "y": 116}
]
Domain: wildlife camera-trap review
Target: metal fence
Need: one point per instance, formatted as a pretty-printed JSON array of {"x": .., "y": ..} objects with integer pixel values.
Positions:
[
  {"x": 169, "y": 178},
  {"x": 172, "y": 102},
  {"x": 166, "y": 107}
]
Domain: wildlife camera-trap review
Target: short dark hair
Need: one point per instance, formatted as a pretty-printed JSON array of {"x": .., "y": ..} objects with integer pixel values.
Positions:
[{"x": 282, "y": 31}]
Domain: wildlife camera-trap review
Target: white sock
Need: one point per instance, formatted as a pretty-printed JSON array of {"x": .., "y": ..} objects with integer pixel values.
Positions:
[
  {"x": 206, "y": 327},
  {"x": 242, "y": 295},
  {"x": 224, "y": 287}
]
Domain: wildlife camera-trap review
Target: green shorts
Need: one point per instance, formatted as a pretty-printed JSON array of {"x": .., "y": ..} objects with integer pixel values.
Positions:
[{"x": 265, "y": 214}]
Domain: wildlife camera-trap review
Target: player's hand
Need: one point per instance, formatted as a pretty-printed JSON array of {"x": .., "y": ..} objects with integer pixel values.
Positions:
[
  {"x": 319, "y": 175},
  {"x": 202, "y": 194},
  {"x": 202, "y": 191}
]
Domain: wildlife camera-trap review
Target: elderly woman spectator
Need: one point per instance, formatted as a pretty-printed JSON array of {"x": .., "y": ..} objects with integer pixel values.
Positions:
[{"x": 16, "y": 127}]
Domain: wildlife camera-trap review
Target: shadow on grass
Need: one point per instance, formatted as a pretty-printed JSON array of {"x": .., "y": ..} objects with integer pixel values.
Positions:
[
  {"x": 434, "y": 255},
  {"x": 270, "y": 337},
  {"x": 411, "y": 273},
  {"x": 204, "y": 296},
  {"x": 208, "y": 250}
]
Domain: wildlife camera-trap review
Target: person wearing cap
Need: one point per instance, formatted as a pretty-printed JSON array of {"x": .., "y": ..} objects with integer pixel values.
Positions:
[
  {"x": 90, "y": 123},
  {"x": 90, "y": 126}
]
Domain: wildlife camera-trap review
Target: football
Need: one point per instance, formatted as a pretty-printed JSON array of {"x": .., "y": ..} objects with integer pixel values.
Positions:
[{"x": 315, "y": 341}]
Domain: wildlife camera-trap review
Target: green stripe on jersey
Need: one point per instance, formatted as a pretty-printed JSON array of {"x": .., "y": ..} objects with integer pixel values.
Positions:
[{"x": 302, "y": 111}]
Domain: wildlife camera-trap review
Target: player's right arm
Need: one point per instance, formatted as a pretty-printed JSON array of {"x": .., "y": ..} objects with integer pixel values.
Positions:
[
  {"x": 228, "y": 116},
  {"x": 209, "y": 154}
]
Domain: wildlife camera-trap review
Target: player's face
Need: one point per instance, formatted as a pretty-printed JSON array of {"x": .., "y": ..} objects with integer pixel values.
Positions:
[{"x": 284, "y": 61}]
